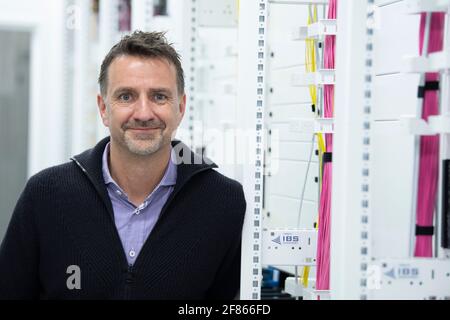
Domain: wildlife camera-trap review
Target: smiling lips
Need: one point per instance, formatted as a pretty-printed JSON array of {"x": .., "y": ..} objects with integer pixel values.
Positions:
[{"x": 143, "y": 129}]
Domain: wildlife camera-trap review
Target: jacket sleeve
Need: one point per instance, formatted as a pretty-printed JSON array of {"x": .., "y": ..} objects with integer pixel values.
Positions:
[
  {"x": 227, "y": 280},
  {"x": 19, "y": 252}
]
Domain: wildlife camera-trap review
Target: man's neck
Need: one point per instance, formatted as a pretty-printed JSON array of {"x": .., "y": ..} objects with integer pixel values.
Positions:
[{"x": 137, "y": 175}]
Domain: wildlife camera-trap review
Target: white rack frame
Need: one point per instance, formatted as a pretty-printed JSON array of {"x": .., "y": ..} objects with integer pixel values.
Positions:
[
  {"x": 192, "y": 67},
  {"x": 351, "y": 209},
  {"x": 251, "y": 100},
  {"x": 355, "y": 273}
]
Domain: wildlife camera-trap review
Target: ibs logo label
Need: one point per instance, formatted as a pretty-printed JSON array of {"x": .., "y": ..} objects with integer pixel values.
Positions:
[
  {"x": 74, "y": 280},
  {"x": 286, "y": 238},
  {"x": 403, "y": 271}
]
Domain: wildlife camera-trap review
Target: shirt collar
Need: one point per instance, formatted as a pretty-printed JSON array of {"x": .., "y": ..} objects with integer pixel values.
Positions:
[{"x": 169, "y": 178}]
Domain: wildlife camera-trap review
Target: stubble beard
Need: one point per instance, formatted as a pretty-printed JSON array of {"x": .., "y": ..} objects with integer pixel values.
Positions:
[{"x": 144, "y": 144}]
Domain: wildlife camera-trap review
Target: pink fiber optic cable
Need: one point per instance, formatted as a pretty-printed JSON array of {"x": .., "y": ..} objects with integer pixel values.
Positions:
[
  {"x": 429, "y": 145},
  {"x": 323, "y": 247}
]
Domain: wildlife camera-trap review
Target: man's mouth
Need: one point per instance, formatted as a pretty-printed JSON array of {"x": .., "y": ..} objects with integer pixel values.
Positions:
[{"x": 143, "y": 129}]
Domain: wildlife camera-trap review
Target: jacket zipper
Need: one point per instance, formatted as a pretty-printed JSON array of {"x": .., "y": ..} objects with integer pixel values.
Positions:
[
  {"x": 166, "y": 205},
  {"x": 129, "y": 279}
]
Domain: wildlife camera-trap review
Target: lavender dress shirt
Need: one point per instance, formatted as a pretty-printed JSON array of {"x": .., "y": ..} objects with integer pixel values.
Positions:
[{"x": 134, "y": 224}]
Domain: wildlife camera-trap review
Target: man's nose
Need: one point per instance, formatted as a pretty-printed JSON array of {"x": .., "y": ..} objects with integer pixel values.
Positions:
[{"x": 144, "y": 110}]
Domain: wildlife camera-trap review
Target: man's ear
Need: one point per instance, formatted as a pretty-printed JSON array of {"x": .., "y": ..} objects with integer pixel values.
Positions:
[
  {"x": 102, "y": 109},
  {"x": 182, "y": 107}
]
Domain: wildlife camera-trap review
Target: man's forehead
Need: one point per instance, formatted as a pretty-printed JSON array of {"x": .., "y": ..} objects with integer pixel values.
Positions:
[
  {"x": 130, "y": 62},
  {"x": 124, "y": 69}
]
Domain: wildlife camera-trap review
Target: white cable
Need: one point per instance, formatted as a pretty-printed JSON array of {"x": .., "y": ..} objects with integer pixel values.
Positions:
[{"x": 305, "y": 180}]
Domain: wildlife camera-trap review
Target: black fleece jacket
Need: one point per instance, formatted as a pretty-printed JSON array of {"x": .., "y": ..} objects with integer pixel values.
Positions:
[{"x": 64, "y": 218}]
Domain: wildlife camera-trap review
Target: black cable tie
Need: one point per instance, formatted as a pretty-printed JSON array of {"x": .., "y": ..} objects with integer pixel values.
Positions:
[
  {"x": 445, "y": 219},
  {"x": 424, "y": 231},
  {"x": 429, "y": 86},
  {"x": 327, "y": 157}
]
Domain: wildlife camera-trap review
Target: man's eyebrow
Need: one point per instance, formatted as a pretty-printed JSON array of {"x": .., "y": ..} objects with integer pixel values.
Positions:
[
  {"x": 123, "y": 89},
  {"x": 150, "y": 91},
  {"x": 160, "y": 90}
]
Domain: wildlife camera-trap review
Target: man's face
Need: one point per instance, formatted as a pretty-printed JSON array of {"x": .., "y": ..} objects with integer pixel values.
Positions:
[{"x": 143, "y": 107}]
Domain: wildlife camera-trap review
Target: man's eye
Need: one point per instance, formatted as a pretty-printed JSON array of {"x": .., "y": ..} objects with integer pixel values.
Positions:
[
  {"x": 125, "y": 97},
  {"x": 160, "y": 97}
]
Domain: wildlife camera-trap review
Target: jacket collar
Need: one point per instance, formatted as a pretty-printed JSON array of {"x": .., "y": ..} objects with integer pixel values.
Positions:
[{"x": 188, "y": 164}]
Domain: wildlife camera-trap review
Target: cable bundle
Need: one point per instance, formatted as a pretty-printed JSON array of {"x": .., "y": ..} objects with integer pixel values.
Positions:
[
  {"x": 429, "y": 145},
  {"x": 323, "y": 248},
  {"x": 311, "y": 66}
]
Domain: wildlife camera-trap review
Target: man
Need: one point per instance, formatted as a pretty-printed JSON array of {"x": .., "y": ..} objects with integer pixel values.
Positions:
[{"x": 139, "y": 216}]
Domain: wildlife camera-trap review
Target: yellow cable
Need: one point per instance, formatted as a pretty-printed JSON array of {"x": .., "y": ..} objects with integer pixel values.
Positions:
[{"x": 305, "y": 276}]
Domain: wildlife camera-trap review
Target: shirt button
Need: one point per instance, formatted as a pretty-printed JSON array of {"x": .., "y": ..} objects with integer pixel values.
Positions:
[
  {"x": 118, "y": 192},
  {"x": 132, "y": 253}
]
